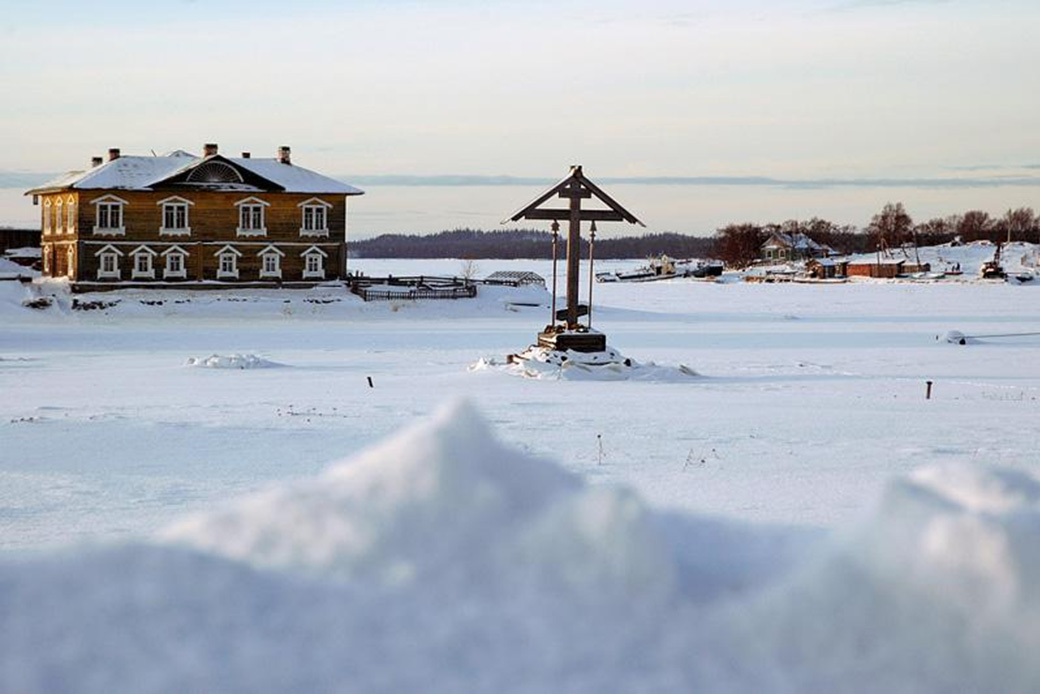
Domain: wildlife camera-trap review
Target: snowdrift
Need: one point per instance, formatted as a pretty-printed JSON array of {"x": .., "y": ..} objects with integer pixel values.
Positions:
[
  {"x": 232, "y": 361},
  {"x": 441, "y": 561}
]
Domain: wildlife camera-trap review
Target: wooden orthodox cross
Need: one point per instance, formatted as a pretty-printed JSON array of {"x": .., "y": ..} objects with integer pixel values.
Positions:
[{"x": 575, "y": 187}]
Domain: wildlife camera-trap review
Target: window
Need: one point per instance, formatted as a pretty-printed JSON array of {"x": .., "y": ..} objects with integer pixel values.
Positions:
[
  {"x": 227, "y": 263},
  {"x": 70, "y": 216},
  {"x": 47, "y": 252},
  {"x": 109, "y": 215},
  {"x": 251, "y": 220},
  {"x": 108, "y": 263},
  {"x": 251, "y": 217},
  {"x": 176, "y": 266},
  {"x": 313, "y": 263},
  {"x": 70, "y": 262},
  {"x": 175, "y": 217},
  {"x": 47, "y": 216},
  {"x": 271, "y": 266},
  {"x": 271, "y": 262},
  {"x": 59, "y": 217},
  {"x": 215, "y": 172},
  {"x": 315, "y": 221},
  {"x": 142, "y": 268}
]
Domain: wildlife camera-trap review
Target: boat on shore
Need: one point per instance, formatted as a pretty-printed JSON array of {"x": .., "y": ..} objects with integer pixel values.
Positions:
[{"x": 662, "y": 268}]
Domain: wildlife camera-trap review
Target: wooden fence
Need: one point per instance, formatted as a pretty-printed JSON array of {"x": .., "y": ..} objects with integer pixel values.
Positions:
[{"x": 410, "y": 288}]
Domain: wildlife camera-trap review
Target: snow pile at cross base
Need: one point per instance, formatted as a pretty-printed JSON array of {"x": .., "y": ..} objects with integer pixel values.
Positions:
[
  {"x": 609, "y": 365},
  {"x": 441, "y": 561}
]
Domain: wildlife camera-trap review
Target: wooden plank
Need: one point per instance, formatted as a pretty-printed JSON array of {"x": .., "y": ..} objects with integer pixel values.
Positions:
[{"x": 586, "y": 215}]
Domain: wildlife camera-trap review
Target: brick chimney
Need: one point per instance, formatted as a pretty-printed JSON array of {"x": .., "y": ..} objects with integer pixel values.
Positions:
[
  {"x": 283, "y": 155},
  {"x": 209, "y": 149},
  {"x": 113, "y": 153},
  {"x": 95, "y": 161},
  {"x": 245, "y": 155}
]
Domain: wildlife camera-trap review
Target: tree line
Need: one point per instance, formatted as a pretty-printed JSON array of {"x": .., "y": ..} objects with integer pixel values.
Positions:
[
  {"x": 893, "y": 227},
  {"x": 509, "y": 244}
]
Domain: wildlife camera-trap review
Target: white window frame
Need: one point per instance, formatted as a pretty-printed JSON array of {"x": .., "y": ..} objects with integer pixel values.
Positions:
[
  {"x": 109, "y": 203},
  {"x": 227, "y": 252},
  {"x": 105, "y": 254},
  {"x": 308, "y": 255},
  {"x": 71, "y": 221},
  {"x": 173, "y": 205},
  {"x": 315, "y": 207},
  {"x": 252, "y": 217},
  {"x": 182, "y": 256},
  {"x": 59, "y": 216},
  {"x": 70, "y": 260},
  {"x": 48, "y": 252},
  {"x": 47, "y": 221},
  {"x": 148, "y": 271},
  {"x": 271, "y": 253}
]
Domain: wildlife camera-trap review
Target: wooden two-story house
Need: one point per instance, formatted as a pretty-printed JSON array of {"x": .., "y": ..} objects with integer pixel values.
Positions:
[{"x": 189, "y": 220}]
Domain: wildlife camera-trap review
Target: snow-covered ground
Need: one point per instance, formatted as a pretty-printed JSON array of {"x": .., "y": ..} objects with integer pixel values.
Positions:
[{"x": 796, "y": 517}]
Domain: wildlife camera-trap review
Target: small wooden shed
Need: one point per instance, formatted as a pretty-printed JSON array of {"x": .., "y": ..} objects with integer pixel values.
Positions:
[{"x": 885, "y": 268}]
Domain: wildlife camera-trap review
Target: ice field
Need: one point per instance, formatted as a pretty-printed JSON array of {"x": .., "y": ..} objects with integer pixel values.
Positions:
[{"x": 797, "y": 516}]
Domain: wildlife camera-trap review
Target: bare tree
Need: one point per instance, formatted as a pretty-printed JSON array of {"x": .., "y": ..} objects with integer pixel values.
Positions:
[
  {"x": 891, "y": 227},
  {"x": 468, "y": 269},
  {"x": 739, "y": 244},
  {"x": 975, "y": 225},
  {"x": 1020, "y": 224},
  {"x": 936, "y": 230}
]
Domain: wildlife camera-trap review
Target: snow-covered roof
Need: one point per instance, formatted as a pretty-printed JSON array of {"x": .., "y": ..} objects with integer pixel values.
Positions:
[
  {"x": 873, "y": 260},
  {"x": 520, "y": 276},
  {"x": 798, "y": 241},
  {"x": 141, "y": 173},
  {"x": 825, "y": 262},
  {"x": 296, "y": 179},
  {"x": 124, "y": 173}
]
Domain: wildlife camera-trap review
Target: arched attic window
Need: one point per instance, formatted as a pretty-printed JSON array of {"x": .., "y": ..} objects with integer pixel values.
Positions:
[{"x": 214, "y": 172}]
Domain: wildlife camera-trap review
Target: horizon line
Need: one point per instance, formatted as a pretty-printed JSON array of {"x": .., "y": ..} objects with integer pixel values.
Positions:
[{"x": 19, "y": 179}]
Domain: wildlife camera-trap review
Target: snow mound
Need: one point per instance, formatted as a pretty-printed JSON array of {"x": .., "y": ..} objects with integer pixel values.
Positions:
[
  {"x": 442, "y": 561},
  {"x": 609, "y": 365},
  {"x": 939, "y": 592},
  {"x": 232, "y": 361},
  {"x": 443, "y": 502}
]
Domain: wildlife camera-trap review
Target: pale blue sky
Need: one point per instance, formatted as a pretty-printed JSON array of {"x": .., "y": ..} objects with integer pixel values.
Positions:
[{"x": 808, "y": 89}]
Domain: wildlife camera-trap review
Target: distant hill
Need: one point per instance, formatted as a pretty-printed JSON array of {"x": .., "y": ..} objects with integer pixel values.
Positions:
[{"x": 524, "y": 243}]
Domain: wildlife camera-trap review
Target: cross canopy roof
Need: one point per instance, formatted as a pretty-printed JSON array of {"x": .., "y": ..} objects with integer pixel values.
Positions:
[{"x": 575, "y": 184}]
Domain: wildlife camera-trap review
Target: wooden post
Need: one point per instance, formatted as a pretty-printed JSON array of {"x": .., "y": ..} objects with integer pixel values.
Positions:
[
  {"x": 573, "y": 260},
  {"x": 928, "y": 390},
  {"x": 556, "y": 240},
  {"x": 592, "y": 274}
]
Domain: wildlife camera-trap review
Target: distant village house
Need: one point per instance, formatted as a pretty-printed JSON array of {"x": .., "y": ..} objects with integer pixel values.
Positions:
[
  {"x": 183, "y": 219},
  {"x": 782, "y": 247}
]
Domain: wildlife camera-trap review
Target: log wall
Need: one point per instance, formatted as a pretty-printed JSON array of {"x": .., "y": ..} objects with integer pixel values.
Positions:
[{"x": 213, "y": 220}]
